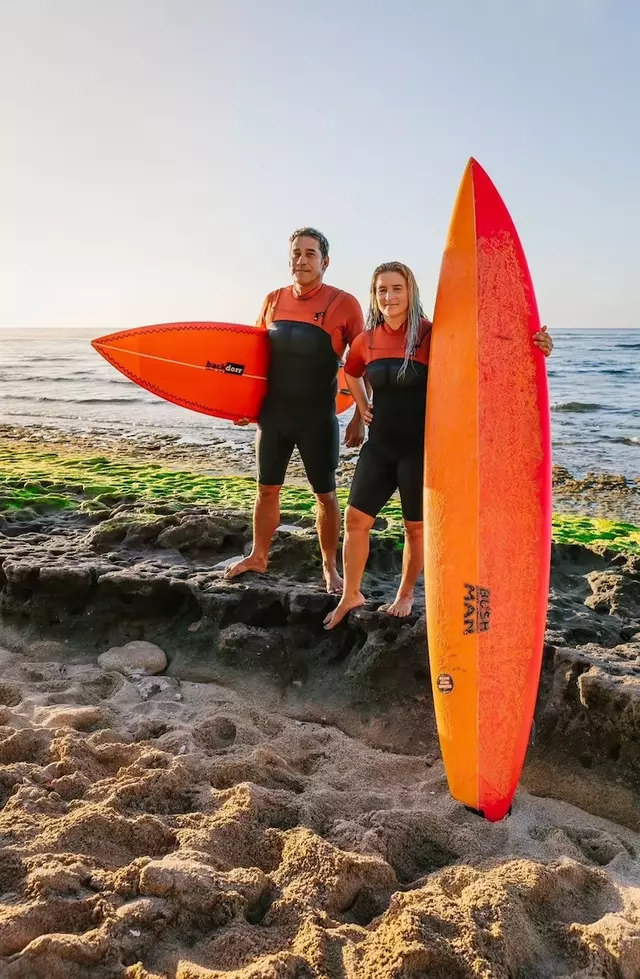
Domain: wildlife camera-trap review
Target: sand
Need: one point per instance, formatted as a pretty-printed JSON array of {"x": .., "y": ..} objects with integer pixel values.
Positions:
[{"x": 153, "y": 827}]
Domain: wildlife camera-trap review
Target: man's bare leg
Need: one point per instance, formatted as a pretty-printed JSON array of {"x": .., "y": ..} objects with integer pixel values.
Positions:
[
  {"x": 412, "y": 562},
  {"x": 354, "y": 559},
  {"x": 266, "y": 517},
  {"x": 328, "y": 528}
]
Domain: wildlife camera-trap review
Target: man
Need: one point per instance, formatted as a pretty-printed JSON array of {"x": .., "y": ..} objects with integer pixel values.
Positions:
[{"x": 310, "y": 325}]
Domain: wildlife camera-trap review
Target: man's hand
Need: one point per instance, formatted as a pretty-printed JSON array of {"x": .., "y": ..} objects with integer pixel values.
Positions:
[
  {"x": 544, "y": 341},
  {"x": 242, "y": 422},
  {"x": 354, "y": 435}
]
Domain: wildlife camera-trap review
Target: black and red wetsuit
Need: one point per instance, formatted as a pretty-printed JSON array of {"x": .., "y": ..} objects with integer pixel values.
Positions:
[
  {"x": 393, "y": 455},
  {"x": 308, "y": 336}
]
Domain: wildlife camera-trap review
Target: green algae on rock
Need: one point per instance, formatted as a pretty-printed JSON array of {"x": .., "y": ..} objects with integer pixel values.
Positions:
[{"x": 43, "y": 481}]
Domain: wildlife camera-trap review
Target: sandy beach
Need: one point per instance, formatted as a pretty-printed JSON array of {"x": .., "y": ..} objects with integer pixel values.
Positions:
[{"x": 198, "y": 782}]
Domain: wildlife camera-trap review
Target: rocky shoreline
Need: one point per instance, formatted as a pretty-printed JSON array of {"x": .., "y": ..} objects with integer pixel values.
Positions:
[
  {"x": 242, "y": 794},
  {"x": 604, "y": 495},
  {"x": 94, "y": 580}
]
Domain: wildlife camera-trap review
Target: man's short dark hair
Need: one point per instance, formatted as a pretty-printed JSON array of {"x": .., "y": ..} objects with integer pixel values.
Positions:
[{"x": 312, "y": 233}]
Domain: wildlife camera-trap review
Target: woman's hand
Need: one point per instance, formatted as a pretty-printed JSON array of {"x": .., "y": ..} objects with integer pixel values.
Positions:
[
  {"x": 544, "y": 341},
  {"x": 366, "y": 413},
  {"x": 360, "y": 393}
]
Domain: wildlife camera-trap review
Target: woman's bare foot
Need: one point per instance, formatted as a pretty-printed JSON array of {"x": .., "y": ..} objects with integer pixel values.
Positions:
[
  {"x": 250, "y": 563},
  {"x": 400, "y": 607},
  {"x": 332, "y": 580},
  {"x": 345, "y": 605}
]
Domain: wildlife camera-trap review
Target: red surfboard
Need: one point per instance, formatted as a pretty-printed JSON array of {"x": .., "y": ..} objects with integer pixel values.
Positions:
[
  {"x": 487, "y": 501},
  {"x": 218, "y": 369}
]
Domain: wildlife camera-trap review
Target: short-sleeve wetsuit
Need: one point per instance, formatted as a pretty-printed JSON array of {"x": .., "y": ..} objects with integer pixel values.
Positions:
[
  {"x": 393, "y": 455},
  {"x": 308, "y": 336}
]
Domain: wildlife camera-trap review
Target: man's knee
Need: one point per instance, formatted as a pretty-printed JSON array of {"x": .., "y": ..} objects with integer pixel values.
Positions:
[
  {"x": 267, "y": 492},
  {"x": 357, "y": 520},
  {"x": 327, "y": 500}
]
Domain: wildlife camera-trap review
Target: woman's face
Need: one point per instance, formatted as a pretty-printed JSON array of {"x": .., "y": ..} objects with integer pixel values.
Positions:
[{"x": 392, "y": 295}]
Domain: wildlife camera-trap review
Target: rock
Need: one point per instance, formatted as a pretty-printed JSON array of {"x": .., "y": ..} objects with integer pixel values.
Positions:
[
  {"x": 389, "y": 641},
  {"x": 240, "y": 645},
  {"x": 136, "y": 657},
  {"x": 151, "y": 686},
  {"x": 146, "y": 590},
  {"x": 579, "y": 627},
  {"x": 7, "y": 658},
  {"x": 65, "y": 580},
  {"x": 94, "y": 506},
  {"x": 604, "y": 481},
  {"x": 202, "y": 533},
  {"x": 131, "y": 529},
  {"x": 589, "y": 709},
  {"x": 20, "y": 573},
  {"x": 306, "y": 605},
  {"x": 296, "y": 553},
  {"x": 614, "y": 594},
  {"x": 258, "y": 605}
]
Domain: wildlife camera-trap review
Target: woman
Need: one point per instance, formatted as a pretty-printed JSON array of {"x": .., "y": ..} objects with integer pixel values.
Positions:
[{"x": 393, "y": 354}]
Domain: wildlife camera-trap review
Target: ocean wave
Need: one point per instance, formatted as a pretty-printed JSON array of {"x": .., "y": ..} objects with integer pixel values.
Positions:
[
  {"x": 578, "y": 406},
  {"x": 597, "y": 370},
  {"x": 45, "y": 360},
  {"x": 78, "y": 401},
  {"x": 43, "y": 379},
  {"x": 624, "y": 440},
  {"x": 629, "y": 346}
]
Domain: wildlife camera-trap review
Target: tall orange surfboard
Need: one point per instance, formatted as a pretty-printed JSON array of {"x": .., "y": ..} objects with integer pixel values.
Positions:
[
  {"x": 218, "y": 369},
  {"x": 487, "y": 501}
]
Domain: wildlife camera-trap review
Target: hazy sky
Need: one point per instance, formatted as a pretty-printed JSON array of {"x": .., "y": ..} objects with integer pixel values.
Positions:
[{"x": 156, "y": 154}]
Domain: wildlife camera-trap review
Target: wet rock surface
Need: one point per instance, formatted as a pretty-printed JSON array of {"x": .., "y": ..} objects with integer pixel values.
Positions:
[{"x": 597, "y": 494}]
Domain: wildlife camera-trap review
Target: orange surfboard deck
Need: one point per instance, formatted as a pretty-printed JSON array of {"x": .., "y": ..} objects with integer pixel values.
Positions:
[
  {"x": 218, "y": 369},
  {"x": 487, "y": 501}
]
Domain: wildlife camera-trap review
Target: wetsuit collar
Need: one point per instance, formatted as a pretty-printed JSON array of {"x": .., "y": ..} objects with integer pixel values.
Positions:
[
  {"x": 306, "y": 295},
  {"x": 390, "y": 331}
]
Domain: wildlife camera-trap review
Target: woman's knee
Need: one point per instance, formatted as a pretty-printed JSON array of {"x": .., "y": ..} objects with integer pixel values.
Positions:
[{"x": 413, "y": 529}]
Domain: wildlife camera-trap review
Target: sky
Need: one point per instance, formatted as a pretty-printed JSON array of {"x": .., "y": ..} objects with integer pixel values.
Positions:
[{"x": 157, "y": 154}]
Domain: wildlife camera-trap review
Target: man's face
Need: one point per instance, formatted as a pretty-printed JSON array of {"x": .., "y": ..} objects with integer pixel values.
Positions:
[{"x": 306, "y": 261}]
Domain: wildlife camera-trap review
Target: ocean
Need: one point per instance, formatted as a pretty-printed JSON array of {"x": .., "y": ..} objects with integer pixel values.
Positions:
[{"x": 54, "y": 378}]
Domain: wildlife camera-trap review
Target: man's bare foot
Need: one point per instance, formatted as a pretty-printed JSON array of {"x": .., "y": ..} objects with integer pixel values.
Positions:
[
  {"x": 251, "y": 563},
  {"x": 345, "y": 605},
  {"x": 332, "y": 580},
  {"x": 400, "y": 607}
]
